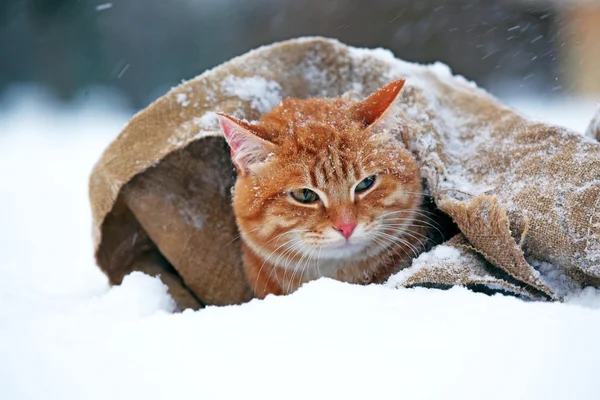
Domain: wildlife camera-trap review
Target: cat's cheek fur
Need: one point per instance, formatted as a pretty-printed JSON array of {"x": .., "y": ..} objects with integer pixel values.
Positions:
[
  {"x": 258, "y": 277},
  {"x": 253, "y": 218},
  {"x": 399, "y": 196}
]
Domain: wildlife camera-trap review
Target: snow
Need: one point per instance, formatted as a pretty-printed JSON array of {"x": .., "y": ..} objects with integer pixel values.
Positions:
[
  {"x": 65, "y": 334},
  {"x": 182, "y": 99},
  {"x": 208, "y": 120},
  {"x": 593, "y": 129},
  {"x": 564, "y": 112},
  {"x": 104, "y": 6},
  {"x": 442, "y": 253},
  {"x": 262, "y": 94}
]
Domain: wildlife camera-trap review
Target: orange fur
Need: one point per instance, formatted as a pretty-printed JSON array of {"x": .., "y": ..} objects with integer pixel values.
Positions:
[{"x": 327, "y": 145}]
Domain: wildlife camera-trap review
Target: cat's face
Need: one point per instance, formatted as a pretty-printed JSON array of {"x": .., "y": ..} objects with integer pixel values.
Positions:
[{"x": 322, "y": 179}]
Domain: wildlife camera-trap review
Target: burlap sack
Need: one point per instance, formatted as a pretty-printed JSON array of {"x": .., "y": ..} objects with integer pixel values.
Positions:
[{"x": 524, "y": 195}]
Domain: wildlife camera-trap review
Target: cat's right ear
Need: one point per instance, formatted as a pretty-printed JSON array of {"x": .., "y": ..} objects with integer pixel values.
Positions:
[{"x": 247, "y": 148}]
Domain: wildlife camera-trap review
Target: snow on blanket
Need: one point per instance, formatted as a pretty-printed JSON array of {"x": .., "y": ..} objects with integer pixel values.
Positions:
[{"x": 64, "y": 334}]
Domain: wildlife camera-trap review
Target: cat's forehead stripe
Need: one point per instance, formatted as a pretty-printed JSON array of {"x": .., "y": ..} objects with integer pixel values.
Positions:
[
  {"x": 344, "y": 169},
  {"x": 312, "y": 175}
]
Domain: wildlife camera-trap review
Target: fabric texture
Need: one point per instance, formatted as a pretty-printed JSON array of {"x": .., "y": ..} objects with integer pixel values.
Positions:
[{"x": 524, "y": 195}]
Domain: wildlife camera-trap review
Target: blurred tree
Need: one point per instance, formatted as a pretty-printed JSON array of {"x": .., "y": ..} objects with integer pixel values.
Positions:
[
  {"x": 49, "y": 8},
  {"x": 144, "y": 47},
  {"x": 66, "y": 45}
]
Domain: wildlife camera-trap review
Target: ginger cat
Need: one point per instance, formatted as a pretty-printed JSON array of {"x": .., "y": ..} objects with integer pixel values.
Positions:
[{"x": 325, "y": 188}]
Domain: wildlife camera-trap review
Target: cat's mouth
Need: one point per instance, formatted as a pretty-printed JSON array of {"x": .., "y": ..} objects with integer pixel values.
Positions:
[
  {"x": 337, "y": 247},
  {"x": 345, "y": 248},
  {"x": 366, "y": 241}
]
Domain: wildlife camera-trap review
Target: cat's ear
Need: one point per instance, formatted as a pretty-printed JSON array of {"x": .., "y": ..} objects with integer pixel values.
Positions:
[
  {"x": 374, "y": 108},
  {"x": 247, "y": 148}
]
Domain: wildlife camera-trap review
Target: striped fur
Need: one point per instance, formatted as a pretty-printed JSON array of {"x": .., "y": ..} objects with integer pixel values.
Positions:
[{"x": 327, "y": 145}]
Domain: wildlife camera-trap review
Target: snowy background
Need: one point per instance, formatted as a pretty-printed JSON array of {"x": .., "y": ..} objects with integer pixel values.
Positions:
[{"x": 64, "y": 334}]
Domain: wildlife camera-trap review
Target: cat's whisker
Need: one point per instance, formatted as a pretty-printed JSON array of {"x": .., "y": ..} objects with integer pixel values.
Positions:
[
  {"x": 236, "y": 237},
  {"x": 426, "y": 219},
  {"x": 415, "y": 223},
  {"x": 406, "y": 224},
  {"x": 267, "y": 259},
  {"x": 301, "y": 272},
  {"x": 415, "y": 249},
  {"x": 409, "y": 233},
  {"x": 419, "y": 211},
  {"x": 287, "y": 254},
  {"x": 417, "y": 239},
  {"x": 418, "y": 217},
  {"x": 409, "y": 222},
  {"x": 312, "y": 263},
  {"x": 306, "y": 265},
  {"x": 412, "y": 219},
  {"x": 399, "y": 240},
  {"x": 273, "y": 238},
  {"x": 425, "y": 214},
  {"x": 285, "y": 233},
  {"x": 405, "y": 211},
  {"x": 280, "y": 246},
  {"x": 288, "y": 258},
  {"x": 382, "y": 216},
  {"x": 269, "y": 256},
  {"x": 318, "y": 260},
  {"x": 291, "y": 280},
  {"x": 298, "y": 264},
  {"x": 383, "y": 244},
  {"x": 292, "y": 249},
  {"x": 389, "y": 244},
  {"x": 405, "y": 244}
]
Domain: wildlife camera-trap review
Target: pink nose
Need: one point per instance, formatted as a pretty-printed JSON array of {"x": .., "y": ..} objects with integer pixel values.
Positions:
[{"x": 346, "y": 229}]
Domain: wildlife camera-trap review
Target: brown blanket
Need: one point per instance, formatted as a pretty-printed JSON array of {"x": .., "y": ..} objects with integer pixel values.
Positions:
[{"x": 524, "y": 195}]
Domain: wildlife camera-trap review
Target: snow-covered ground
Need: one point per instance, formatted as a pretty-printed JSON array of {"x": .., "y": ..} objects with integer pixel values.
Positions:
[{"x": 64, "y": 334}]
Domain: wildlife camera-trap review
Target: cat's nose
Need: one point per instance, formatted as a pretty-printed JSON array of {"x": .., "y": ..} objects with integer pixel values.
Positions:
[{"x": 346, "y": 229}]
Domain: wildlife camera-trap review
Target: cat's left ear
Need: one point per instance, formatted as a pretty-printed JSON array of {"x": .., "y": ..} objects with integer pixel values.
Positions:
[
  {"x": 384, "y": 120},
  {"x": 247, "y": 148},
  {"x": 374, "y": 108}
]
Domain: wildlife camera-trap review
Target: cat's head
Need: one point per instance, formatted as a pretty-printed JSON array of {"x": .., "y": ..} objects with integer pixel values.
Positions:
[{"x": 324, "y": 177}]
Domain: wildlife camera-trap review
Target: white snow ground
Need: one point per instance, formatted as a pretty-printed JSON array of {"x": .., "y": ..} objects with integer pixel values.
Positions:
[{"x": 64, "y": 334}]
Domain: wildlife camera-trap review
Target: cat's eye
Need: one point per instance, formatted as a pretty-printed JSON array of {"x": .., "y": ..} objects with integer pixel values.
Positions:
[
  {"x": 304, "y": 195},
  {"x": 365, "y": 184}
]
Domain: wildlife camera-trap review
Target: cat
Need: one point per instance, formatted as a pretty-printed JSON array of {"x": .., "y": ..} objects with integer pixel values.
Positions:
[{"x": 325, "y": 188}]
